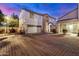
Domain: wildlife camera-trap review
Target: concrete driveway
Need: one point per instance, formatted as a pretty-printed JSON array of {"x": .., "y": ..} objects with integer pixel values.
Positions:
[{"x": 40, "y": 45}]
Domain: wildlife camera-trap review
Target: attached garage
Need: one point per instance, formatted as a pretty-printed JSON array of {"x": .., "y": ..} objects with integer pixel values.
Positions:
[{"x": 33, "y": 29}]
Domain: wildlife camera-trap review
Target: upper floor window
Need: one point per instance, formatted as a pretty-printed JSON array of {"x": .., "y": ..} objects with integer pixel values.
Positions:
[{"x": 31, "y": 15}]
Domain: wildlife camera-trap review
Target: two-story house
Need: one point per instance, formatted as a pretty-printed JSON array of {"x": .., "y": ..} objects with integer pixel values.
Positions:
[{"x": 32, "y": 22}]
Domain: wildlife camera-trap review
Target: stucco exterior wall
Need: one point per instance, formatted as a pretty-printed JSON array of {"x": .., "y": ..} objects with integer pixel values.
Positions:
[
  {"x": 36, "y": 24},
  {"x": 25, "y": 20}
]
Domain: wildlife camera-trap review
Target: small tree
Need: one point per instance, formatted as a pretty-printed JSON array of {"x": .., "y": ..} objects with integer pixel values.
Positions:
[
  {"x": 1, "y": 17},
  {"x": 15, "y": 16},
  {"x": 14, "y": 22}
]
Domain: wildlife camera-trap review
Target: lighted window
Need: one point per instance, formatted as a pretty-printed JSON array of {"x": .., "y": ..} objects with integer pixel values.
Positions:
[{"x": 71, "y": 27}]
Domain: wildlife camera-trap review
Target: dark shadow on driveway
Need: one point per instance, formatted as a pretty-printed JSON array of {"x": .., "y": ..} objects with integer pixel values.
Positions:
[
  {"x": 4, "y": 43},
  {"x": 3, "y": 38}
]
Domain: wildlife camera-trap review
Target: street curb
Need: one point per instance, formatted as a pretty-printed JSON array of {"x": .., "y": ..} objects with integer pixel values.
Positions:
[{"x": 2, "y": 38}]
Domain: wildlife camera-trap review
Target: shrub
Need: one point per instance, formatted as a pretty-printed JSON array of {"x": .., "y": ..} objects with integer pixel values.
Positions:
[
  {"x": 64, "y": 31},
  {"x": 54, "y": 30},
  {"x": 2, "y": 31},
  {"x": 12, "y": 30}
]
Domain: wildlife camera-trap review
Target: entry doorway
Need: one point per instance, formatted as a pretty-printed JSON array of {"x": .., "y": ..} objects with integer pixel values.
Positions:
[{"x": 50, "y": 27}]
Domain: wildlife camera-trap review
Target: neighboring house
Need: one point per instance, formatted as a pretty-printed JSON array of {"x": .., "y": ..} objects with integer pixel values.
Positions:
[
  {"x": 32, "y": 22},
  {"x": 70, "y": 22}
]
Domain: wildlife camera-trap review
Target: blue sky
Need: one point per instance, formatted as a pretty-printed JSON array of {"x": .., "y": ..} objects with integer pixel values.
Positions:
[{"x": 53, "y": 9}]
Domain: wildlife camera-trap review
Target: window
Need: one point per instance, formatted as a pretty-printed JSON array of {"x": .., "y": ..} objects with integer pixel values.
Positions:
[{"x": 31, "y": 14}]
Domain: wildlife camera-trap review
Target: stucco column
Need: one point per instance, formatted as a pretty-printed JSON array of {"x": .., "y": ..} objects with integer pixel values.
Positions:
[
  {"x": 45, "y": 23},
  {"x": 78, "y": 11}
]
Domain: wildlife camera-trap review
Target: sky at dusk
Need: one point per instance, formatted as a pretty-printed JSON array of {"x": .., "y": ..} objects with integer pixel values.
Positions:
[{"x": 53, "y": 9}]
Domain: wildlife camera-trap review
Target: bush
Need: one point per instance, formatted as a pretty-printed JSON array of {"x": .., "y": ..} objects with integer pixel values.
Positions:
[
  {"x": 64, "y": 31},
  {"x": 22, "y": 32},
  {"x": 12, "y": 30},
  {"x": 2, "y": 31},
  {"x": 54, "y": 30}
]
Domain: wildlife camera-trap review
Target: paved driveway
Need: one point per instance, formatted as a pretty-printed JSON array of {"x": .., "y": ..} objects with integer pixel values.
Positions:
[{"x": 36, "y": 45}]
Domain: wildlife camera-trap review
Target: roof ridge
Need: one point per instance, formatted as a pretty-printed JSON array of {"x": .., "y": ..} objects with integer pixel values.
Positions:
[
  {"x": 68, "y": 13},
  {"x": 37, "y": 12}
]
